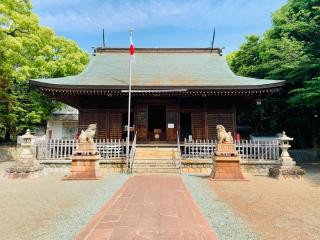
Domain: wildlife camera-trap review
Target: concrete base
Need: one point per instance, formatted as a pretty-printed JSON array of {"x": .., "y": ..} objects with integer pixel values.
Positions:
[
  {"x": 294, "y": 172},
  {"x": 84, "y": 167},
  {"x": 23, "y": 172},
  {"x": 226, "y": 168}
]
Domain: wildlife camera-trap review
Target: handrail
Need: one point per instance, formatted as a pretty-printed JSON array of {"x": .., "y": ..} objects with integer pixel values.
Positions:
[
  {"x": 179, "y": 151},
  {"x": 132, "y": 153}
]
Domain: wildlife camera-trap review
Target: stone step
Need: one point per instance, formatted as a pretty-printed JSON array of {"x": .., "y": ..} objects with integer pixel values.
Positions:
[
  {"x": 155, "y": 170},
  {"x": 163, "y": 149},
  {"x": 156, "y": 165},
  {"x": 164, "y": 158},
  {"x": 147, "y": 157},
  {"x": 156, "y": 152},
  {"x": 156, "y": 160},
  {"x": 156, "y": 155}
]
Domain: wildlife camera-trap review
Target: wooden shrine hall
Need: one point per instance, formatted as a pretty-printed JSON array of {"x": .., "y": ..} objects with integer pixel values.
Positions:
[{"x": 184, "y": 90}]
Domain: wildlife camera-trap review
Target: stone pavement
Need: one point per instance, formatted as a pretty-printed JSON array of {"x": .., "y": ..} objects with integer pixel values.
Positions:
[{"x": 154, "y": 206}]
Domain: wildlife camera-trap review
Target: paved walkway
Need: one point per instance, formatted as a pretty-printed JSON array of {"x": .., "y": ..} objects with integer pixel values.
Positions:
[{"x": 150, "y": 207}]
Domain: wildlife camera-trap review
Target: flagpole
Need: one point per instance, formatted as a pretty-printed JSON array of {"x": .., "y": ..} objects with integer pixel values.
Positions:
[{"x": 129, "y": 104}]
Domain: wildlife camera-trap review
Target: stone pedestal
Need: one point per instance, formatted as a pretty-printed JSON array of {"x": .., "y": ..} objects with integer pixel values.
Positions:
[
  {"x": 84, "y": 167},
  {"x": 25, "y": 166},
  {"x": 85, "y": 160},
  {"x": 226, "y": 149},
  {"x": 226, "y": 163}
]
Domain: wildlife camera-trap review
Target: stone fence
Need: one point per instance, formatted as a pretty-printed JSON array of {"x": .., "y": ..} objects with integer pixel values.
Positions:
[{"x": 8, "y": 153}]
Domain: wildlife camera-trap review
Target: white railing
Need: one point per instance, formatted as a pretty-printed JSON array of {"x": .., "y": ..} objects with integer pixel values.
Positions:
[
  {"x": 248, "y": 150},
  {"x": 198, "y": 149},
  {"x": 59, "y": 149},
  {"x": 258, "y": 150},
  {"x": 132, "y": 153}
]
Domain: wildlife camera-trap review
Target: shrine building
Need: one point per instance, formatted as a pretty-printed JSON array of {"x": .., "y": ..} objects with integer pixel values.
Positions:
[{"x": 188, "y": 91}]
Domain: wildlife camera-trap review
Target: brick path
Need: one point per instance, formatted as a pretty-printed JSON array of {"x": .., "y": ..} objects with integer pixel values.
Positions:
[{"x": 150, "y": 207}]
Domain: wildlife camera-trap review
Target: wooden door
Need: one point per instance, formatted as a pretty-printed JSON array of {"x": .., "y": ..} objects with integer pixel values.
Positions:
[
  {"x": 115, "y": 125},
  {"x": 198, "y": 125},
  {"x": 142, "y": 122},
  {"x": 171, "y": 122}
]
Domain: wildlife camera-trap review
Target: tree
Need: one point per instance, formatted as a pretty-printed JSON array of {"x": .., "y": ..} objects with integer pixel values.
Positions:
[
  {"x": 300, "y": 20},
  {"x": 28, "y": 50},
  {"x": 289, "y": 50},
  {"x": 247, "y": 61}
]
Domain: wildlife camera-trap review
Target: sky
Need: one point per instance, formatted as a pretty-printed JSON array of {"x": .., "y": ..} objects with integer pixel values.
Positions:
[{"x": 157, "y": 23}]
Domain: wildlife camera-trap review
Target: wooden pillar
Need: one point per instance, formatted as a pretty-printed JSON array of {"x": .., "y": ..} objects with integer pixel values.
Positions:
[
  {"x": 178, "y": 115},
  {"x": 234, "y": 118},
  {"x": 206, "y": 118}
]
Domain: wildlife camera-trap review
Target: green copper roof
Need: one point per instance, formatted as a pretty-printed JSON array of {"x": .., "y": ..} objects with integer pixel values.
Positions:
[{"x": 157, "y": 68}]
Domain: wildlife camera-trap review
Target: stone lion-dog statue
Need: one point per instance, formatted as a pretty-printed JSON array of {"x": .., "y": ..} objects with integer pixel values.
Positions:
[
  {"x": 223, "y": 136},
  {"x": 88, "y": 134}
]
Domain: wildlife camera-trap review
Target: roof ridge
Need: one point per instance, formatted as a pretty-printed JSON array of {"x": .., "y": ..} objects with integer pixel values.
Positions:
[{"x": 159, "y": 50}]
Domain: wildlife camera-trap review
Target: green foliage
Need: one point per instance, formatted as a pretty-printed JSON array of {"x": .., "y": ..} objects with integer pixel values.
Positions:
[
  {"x": 284, "y": 58},
  {"x": 309, "y": 95},
  {"x": 289, "y": 50},
  {"x": 247, "y": 61},
  {"x": 299, "y": 20},
  {"x": 28, "y": 50}
]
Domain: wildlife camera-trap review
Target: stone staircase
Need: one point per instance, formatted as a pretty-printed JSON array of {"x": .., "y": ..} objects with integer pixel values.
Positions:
[{"x": 156, "y": 160}]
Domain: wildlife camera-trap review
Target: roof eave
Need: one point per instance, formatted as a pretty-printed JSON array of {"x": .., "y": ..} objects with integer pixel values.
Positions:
[{"x": 121, "y": 87}]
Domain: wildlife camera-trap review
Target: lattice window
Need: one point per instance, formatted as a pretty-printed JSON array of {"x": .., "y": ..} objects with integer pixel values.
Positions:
[
  {"x": 225, "y": 119},
  {"x": 198, "y": 125},
  {"x": 115, "y": 119}
]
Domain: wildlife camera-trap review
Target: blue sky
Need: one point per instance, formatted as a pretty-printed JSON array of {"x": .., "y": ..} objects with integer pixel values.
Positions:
[{"x": 162, "y": 23}]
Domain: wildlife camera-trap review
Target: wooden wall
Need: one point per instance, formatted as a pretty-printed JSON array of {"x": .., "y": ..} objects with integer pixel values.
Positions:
[
  {"x": 205, "y": 113},
  {"x": 109, "y": 124}
]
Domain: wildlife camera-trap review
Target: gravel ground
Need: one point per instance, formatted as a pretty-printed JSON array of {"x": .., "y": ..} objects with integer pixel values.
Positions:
[
  {"x": 48, "y": 208},
  {"x": 225, "y": 223},
  {"x": 277, "y": 209}
]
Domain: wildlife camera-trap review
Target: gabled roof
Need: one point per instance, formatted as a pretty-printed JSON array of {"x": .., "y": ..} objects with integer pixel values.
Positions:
[{"x": 163, "y": 68}]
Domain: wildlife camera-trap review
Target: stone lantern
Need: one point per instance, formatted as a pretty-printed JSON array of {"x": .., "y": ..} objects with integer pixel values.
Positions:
[
  {"x": 25, "y": 166},
  {"x": 286, "y": 160},
  {"x": 26, "y": 157},
  {"x": 287, "y": 166}
]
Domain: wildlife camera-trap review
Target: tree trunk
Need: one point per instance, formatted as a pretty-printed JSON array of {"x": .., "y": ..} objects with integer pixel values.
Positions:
[{"x": 7, "y": 136}]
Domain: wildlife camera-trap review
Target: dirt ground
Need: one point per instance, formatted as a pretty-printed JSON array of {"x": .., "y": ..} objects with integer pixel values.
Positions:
[{"x": 276, "y": 209}]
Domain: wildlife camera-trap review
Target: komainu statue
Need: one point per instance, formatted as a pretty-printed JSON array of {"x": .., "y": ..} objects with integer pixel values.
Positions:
[
  {"x": 86, "y": 143},
  {"x": 223, "y": 136},
  {"x": 88, "y": 134}
]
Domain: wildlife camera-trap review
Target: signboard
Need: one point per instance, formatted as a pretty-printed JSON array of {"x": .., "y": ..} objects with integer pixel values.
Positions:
[{"x": 170, "y": 125}]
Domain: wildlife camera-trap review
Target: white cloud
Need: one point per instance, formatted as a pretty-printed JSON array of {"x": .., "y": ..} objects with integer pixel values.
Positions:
[{"x": 89, "y": 16}]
